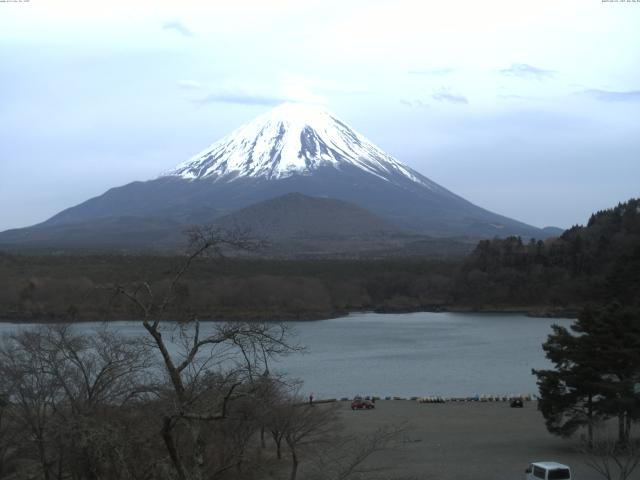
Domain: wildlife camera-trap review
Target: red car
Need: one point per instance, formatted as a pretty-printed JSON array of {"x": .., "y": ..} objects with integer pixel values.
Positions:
[{"x": 359, "y": 403}]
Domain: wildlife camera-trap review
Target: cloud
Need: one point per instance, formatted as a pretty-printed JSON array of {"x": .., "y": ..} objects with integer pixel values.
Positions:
[
  {"x": 611, "y": 96},
  {"x": 244, "y": 99},
  {"x": 445, "y": 95},
  {"x": 178, "y": 27},
  {"x": 414, "y": 103},
  {"x": 522, "y": 70},
  {"x": 189, "y": 84},
  {"x": 437, "y": 71}
]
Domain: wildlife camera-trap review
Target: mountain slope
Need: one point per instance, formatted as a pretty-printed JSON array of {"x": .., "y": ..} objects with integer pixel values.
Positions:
[
  {"x": 295, "y": 215},
  {"x": 293, "y": 148},
  {"x": 123, "y": 233}
]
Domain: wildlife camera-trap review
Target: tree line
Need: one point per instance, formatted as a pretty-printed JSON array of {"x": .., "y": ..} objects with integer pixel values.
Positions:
[
  {"x": 79, "y": 288},
  {"x": 592, "y": 263}
]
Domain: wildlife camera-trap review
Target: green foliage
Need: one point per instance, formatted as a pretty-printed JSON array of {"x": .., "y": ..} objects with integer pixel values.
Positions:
[
  {"x": 596, "y": 263},
  {"x": 596, "y": 374}
]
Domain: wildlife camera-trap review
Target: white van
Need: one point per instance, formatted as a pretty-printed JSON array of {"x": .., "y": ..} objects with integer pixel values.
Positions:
[{"x": 548, "y": 471}]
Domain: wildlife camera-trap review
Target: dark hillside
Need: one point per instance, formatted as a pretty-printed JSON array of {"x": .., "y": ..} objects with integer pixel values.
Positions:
[
  {"x": 295, "y": 215},
  {"x": 593, "y": 263}
]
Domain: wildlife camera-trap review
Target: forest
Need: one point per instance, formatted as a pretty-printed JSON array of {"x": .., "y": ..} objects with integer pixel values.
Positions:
[
  {"x": 586, "y": 264},
  {"x": 595, "y": 263}
]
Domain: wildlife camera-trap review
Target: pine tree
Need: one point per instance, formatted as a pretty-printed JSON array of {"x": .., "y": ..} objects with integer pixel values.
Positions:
[
  {"x": 567, "y": 393},
  {"x": 596, "y": 374}
]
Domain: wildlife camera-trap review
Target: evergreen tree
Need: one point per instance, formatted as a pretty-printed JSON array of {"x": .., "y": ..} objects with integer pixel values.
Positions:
[
  {"x": 567, "y": 393},
  {"x": 596, "y": 374}
]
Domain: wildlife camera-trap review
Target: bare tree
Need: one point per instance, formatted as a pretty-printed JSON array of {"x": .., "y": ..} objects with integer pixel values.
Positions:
[
  {"x": 307, "y": 424},
  {"x": 58, "y": 385},
  {"x": 239, "y": 351},
  {"x": 11, "y": 435},
  {"x": 98, "y": 374},
  {"x": 310, "y": 433},
  {"x": 104, "y": 368},
  {"x": 31, "y": 392},
  {"x": 612, "y": 460},
  {"x": 345, "y": 458}
]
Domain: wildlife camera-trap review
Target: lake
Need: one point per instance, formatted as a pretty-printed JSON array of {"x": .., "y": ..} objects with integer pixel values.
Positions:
[{"x": 411, "y": 354}]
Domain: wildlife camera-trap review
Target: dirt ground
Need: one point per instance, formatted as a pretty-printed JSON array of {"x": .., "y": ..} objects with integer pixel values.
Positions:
[{"x": 464, "y": 441}]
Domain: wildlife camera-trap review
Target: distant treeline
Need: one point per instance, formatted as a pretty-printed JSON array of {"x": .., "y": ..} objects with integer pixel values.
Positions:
[
  {"x": 598, "y": 262},
  {"x": 82, "y": 288}
]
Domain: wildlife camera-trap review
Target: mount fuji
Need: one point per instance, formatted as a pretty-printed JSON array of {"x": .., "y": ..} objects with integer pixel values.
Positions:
[
  {"x": 294, "y": 148},
  {"x": 293, "y": 139}
]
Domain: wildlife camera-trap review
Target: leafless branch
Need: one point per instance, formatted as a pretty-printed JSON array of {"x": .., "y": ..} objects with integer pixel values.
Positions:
[{"x": 612, "y": 460}]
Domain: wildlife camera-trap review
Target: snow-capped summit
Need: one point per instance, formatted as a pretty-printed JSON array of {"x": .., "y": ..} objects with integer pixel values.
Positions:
[{"x": 292, "y": 138}]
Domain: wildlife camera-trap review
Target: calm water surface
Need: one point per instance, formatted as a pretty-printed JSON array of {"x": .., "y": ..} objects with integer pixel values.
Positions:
[{"x": 451, "y": 354}]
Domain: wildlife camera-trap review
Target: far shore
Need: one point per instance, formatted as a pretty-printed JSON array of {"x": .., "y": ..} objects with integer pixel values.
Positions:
[{"x": 535, "y": 312}]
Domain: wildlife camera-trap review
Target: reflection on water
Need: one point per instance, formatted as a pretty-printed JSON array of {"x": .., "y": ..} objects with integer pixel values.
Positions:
[{"x": 450, "y": 354}]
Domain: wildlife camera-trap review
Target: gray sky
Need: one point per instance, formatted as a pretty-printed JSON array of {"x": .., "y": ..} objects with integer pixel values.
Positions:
[{"x": 529, "y": 109}]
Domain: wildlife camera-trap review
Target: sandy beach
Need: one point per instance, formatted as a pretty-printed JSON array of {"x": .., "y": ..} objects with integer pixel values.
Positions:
[{"x": 464, "y": 441}]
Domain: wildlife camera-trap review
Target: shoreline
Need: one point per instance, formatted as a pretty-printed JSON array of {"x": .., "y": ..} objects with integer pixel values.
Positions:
[{"x": 533, "y": 312}]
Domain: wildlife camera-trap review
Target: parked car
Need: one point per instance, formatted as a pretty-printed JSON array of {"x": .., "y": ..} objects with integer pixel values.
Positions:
[
  {"x": 516, "y": 403},
  {"x": 358, "y": 403},
  {"x": 548, "y": 471}
]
